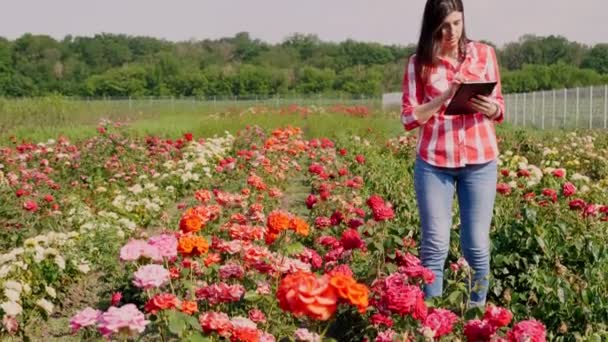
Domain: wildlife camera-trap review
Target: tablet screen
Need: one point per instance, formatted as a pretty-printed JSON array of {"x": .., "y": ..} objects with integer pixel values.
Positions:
[{"x": 459, "y": 103}]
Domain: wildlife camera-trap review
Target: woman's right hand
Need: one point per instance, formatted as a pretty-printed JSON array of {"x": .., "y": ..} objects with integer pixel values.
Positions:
[{"x": 458, "y": 79}]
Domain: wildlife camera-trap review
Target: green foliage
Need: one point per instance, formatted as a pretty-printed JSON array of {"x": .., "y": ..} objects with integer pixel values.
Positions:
[{"x": 121, "y": 65}]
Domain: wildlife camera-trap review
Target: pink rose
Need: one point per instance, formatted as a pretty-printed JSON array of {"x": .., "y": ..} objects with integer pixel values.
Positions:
[
  {"x": 149, "y": 276},
  {"x": 84, "y": 318},
  {"x": 127, "y": 317},
  {"x": 166, "y": 244}
]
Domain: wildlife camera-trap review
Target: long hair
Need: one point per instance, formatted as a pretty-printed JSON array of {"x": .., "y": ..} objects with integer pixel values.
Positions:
[{"x": 429, "y": 44}]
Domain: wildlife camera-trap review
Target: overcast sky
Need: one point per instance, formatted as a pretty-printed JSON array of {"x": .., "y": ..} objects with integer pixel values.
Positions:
[{"x": 384, "y": 21}]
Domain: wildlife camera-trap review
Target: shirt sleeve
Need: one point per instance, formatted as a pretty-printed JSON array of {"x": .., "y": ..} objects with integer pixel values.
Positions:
[
  {"x": 412, "y": 96},
  {"x": 494, "y": 75}
]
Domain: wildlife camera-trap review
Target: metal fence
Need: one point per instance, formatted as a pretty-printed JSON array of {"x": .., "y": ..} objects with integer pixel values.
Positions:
[
  {"x": 582, "y": 107},
  {"x": 559, "y": 108}
]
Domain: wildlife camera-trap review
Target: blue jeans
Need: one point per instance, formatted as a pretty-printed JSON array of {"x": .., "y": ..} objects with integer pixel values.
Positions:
[{"x": 475, "y": 185}]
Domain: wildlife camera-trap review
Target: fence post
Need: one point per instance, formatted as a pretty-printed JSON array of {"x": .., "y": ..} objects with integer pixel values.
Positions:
[
  {"x": 590, "y": 107},
  {"x": 516, "y": 97},
  {"x": 605, "y": 105},
  {"x": 524, "y": 118},
  {"x": 542, "y": 119},
  {"x": 577, "y": 107},
  {"x": 534, "y": 109},
  {"x": 565, "y": 105},
  {"x": 553, "y": 118}
]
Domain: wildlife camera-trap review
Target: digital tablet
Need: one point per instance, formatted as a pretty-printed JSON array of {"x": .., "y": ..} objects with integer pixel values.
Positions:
[{"x": 459, "y": 103}]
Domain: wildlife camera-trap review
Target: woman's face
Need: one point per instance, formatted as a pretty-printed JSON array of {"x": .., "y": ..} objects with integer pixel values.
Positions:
[{"x": 451, "y": 30}]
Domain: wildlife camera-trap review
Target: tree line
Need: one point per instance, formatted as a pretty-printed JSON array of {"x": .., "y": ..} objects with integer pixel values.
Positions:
[{"x": 122, "y": 65}]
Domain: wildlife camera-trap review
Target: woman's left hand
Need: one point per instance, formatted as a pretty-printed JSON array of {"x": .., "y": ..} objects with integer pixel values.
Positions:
[{"x": 484, "y": 105}]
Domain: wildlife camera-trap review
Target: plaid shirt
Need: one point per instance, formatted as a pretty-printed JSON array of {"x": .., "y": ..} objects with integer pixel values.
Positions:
[{"x": 453, "y": 140}]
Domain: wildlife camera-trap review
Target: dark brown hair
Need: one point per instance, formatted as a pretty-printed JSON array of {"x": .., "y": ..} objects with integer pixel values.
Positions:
[{"x": 429, "y": 44}]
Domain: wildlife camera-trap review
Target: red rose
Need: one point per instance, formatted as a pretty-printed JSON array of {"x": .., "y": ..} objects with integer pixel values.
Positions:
[
  {"x": 162, "y": 301},
  {"x": 568, "y": 189},
  {"x": 30, "y": 205},
  {"x": 577, "y": 204},
  {"x": 383, "y": 213},
  {"x": 351, "y": 239},
  {"x": 311, "y": 200},
  {"x": 498, "y": 317},
  {"x": 503, "y": 188}
]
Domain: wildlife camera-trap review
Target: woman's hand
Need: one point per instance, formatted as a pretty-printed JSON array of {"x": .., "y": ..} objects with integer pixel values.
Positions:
[
  {"x": 458, "y": 79},
  {"x": 484, "y": 105}
]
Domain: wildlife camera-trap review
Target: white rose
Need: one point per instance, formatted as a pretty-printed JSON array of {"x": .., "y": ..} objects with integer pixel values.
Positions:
[
  {"x": 45, "y": 305},
  {"x": 11, "y": 308}
]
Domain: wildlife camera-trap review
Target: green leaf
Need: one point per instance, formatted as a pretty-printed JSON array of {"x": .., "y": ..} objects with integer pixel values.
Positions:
[
  {"x": 541, "y": 243},
  {"x": 177, "y": 323},
  {"x": 455, "y": 298},
  {"x": 294, "y": 248},
  {"x": 252, "y": 296},
  {"x": 560, "y": 294},
  {"x": 193, "y": 322},
  {"x": 197, "y": 337}
]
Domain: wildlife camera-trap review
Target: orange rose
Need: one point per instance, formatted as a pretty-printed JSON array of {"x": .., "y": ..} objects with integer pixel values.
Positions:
[
  {"x": 190, "y": 222},
  {"x": 358, "y": 295},
  {"x": 302, "y": 293},
  {"x": 278, "y": 221},
  {"x": 192, "y": 245},
  {"x": 189, "y": 307},
  {"x": 347, "y": 288},
  {"x": 299, "y": 226},
  {"x": 270, "y": 237},
  {"x": 342, "y": 283}
]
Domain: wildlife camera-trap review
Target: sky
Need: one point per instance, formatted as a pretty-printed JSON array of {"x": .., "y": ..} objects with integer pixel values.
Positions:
[{"x": 382, "y": 21}]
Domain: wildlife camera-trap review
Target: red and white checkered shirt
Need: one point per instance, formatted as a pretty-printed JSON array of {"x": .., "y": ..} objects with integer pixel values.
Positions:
[{"x": 453, "y": 140}]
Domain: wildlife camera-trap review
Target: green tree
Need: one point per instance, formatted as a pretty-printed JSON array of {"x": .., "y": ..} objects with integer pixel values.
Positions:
[{"x": 597, "y": 59}]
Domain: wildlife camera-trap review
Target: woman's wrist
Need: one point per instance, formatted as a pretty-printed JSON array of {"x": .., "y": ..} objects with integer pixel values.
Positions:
[{"x": 496, "y": 112}]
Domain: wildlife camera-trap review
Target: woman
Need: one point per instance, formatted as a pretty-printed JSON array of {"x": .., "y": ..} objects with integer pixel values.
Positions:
[{"x": 455, "y": 153}]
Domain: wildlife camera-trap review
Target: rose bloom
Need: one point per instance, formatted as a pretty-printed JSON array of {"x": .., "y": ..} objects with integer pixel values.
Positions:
[
  {"x": 203, "y": 196},
  {"x": 497, "y": 316},
  {"x": 30, "y": 205},
  {"x": 84, "y": 318},
  {"x": 527, "y": 331},
  {"x": 440, "y": 322},
  {"x": 302, "y": 293},
  {"x": 383, "y": 213},
  {"x": 278, "y": 221},
  {"x": 166, "y": 244},
  {"x": 299, "y": 225},
  {"x": 124, "y": 319},
  {"x": 351, "y": 239},
  {"x": 150, "y": 276},
  {"x": 322, "y": 222},
  {"x": 476, "y": 330},
  {"x": 568, "y": 189},
  {"x": 215, "y": 322},
  {"x": 136, "y": 249},
  {"x": 257, "y": 316},
  {"x": 503, "y": 188},
  {"x": 191, "y": 222},
  {"x": 189, "y": 245},
  {"x": 189, "y": 307},
  {"x": 161, "y": 301}
]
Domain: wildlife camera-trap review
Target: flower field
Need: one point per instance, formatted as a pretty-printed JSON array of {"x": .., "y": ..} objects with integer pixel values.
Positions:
[{"x": 273, "y": 233}]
